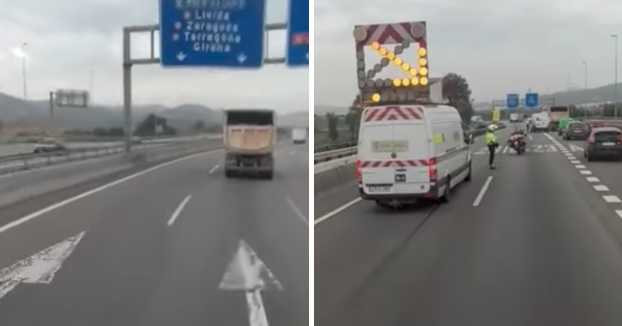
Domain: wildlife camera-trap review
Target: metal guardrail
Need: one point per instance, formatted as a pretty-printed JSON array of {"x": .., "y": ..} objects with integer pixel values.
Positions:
[
  {"x": 20, "y": 162},
  {"x": 332, "y": 147},
  {"x": 331, "y": 155}
]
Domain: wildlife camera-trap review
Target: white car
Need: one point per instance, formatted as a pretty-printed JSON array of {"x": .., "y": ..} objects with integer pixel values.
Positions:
[{"x": 411, "y": 152}]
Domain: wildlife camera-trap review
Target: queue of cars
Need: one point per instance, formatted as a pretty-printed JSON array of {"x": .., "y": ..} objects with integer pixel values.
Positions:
[{"x": 602, "y": 140}]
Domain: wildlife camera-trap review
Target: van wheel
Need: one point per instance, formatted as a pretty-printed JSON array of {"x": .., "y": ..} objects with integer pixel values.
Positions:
[
  {"x": 469, "y": 176},
  {"x": 447, "y": 193}
]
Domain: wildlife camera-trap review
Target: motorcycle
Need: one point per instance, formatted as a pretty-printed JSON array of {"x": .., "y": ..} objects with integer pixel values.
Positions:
[{"x": 517, "y": 142}]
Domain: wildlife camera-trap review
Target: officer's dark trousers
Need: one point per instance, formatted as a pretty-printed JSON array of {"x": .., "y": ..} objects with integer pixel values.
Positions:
[{"x": 491, "y": 154}]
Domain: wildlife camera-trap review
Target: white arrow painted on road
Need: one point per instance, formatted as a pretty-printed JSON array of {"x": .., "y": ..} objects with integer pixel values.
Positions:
[
  {"x": 181, "y": 56},
  {"x": 246, "y": 272},
  {"x": 39, "y": 268},
  {"x": 242, "y": 57}
]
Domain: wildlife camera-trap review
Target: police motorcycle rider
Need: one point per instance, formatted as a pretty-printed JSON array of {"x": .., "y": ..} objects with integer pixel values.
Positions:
[{"x": 492, "y": 143}]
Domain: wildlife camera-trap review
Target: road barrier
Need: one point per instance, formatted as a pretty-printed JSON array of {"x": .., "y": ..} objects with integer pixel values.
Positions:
[{"x": 140, "y": 152}]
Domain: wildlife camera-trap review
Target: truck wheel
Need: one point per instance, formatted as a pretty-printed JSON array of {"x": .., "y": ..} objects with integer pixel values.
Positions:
[
  {"x": 228, "y": 173},
  {"x": 269, "y": 175}
]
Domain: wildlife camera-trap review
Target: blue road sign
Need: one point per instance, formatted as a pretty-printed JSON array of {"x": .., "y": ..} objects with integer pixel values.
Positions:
[
  {"x": 212, "y": 33},
  {"x": 298, "y": 33},
  {"x": 512, "y": 101},
  {"x": 531, "y": 100}
]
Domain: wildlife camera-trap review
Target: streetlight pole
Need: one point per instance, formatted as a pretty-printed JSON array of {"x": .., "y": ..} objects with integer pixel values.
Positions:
[
  {"x": 585, "y": 86},
  {"x": 24, "y": 69},
  {"x": 615, "y": 85}
]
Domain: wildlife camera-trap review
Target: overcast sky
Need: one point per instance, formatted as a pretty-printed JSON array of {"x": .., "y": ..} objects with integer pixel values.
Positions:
[
  {"x": 499, "y": 46},
  {"x": 69, "y": 39}
]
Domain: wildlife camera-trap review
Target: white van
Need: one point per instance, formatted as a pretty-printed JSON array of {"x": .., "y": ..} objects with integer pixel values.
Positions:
[
  {"x": 411, "y": 152},
  {"x": 541, "y": 121}
]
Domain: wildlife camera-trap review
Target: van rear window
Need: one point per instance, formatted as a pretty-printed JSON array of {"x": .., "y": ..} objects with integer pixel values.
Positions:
[{"x": 389, "y": 146}]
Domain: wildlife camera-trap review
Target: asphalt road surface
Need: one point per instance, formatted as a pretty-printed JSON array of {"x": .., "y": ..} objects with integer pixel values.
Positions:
[
  {"x": 153, "y": 249},
  {"x": 542, "y": 246}
]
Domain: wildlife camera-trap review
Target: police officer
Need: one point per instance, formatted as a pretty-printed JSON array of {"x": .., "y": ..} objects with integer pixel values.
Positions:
[{"x": 492, "y": 144}]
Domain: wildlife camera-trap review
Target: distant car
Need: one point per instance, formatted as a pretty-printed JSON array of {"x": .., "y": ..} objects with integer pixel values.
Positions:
[
  {"x": 604, "y": 142},
  {"x": 576, "y": 130},
  {"x": 50, "y": 148},
  {"x": 596, "y": 124},
  {"x": 136, "y": 140}
]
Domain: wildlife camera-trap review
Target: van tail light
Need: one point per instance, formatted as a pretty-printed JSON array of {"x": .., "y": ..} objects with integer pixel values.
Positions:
[
  {"x": 590, "y": 140},
  {"x": 620, "y": 139},
  {"x": 432, "y": 168},
  {"x": 358, "y": 169}
]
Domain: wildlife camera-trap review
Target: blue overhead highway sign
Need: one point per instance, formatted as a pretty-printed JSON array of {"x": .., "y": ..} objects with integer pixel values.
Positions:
[
  {"x": 512, "y": 101},
  {"x": 298, "y": 33},
  {"x": 212, "y": 33},
  {"x": 531, "y": 100}
]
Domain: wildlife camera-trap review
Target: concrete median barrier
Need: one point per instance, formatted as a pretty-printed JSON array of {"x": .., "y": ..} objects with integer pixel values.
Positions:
[{"x": 334, "y": 173}]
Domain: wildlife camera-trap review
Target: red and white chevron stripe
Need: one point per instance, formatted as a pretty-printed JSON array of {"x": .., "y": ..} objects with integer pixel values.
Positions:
[
  {"x": 393, "y": 164},
  {"x": 391, "y": 113},
  {"x": 391, "y": 34}
]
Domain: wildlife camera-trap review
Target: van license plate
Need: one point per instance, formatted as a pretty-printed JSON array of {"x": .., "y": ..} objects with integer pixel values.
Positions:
[
  {"x": 400, "y": 178},
  {"x": 608, "y": 144},
  {"x": 379, "y": 188}
]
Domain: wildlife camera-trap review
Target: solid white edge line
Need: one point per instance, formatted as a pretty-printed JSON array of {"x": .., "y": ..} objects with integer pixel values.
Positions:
[
  {"x": 336, "y": 211},
  {"x": 296, "y": 210},
  {"x": 482, "y": 191},
  {"x": 178, "y": 210},
  {"x": 91, "y": 192}
]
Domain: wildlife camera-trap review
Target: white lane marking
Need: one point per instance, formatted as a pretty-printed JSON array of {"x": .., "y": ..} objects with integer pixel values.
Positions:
[
  {"x": 39, "y": 268},
  {"x": 178, "y": 210},
  {"x": 601, "y": 188},
  {"x": 338, "y": 210},
  {"x": 612, "y": 199},
  {"x": 529, "y": 136},
  {"x": 571, "y": 157},
  {"x": 214, "y": 168},
  {"x": 91, "y": 192},
  {"x": 619, "y": 212},
  {"x": 482, "y": 192},
  {"x": 505, "y": 149},
  {"x": 248, "y": 273},
  {"x": 586, "y": 172},
  {"x": 575, "y": 162},
  {"x": 592, "y": 179},
  {"x": 580, "y": 166},
  {"x": 296, "y": 210}
]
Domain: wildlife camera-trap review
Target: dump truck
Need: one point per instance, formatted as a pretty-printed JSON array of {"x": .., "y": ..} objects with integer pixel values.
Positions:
[{"x": 249, "y": 139}]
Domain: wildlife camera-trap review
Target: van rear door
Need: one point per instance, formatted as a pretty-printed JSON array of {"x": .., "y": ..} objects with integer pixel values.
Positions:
[{"x": 394, "y": 151}]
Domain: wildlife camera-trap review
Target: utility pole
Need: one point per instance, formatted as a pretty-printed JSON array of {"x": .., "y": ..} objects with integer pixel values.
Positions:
[
  {"x": 615, "y": 84},
  {"x": 585, "y": 87},
  {"x": 24, "y": 45}
]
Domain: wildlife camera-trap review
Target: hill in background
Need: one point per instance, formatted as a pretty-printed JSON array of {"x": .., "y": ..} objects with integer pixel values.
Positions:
[{"x": 16, "y": 112}]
